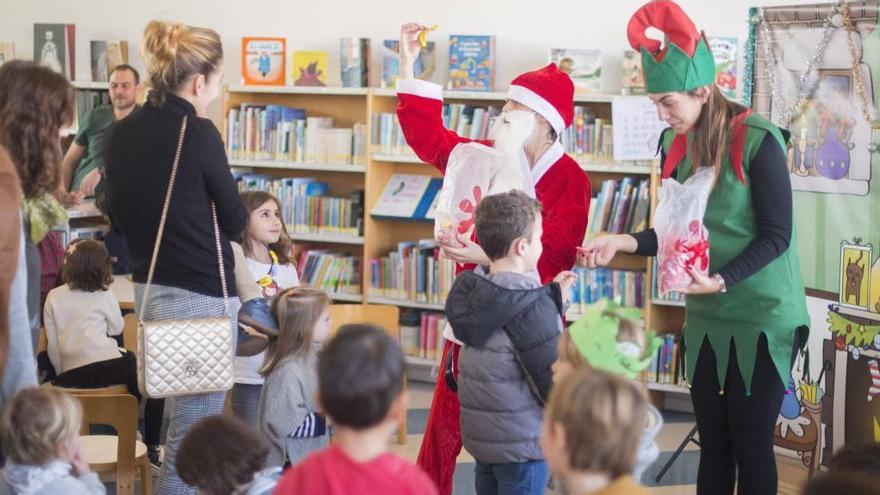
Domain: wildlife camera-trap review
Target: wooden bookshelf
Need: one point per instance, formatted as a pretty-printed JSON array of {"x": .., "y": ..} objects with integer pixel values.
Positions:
[
  {"x": 91, "y": 85},
  {"x": 306, "y": 166},
  {"x": 405, "y": 303},
  {"x": 666, "y": 387},
  {"x": 327, "y": 238},
  {"x": 352, "y": 298},
  {"x": 348, "y": 106}
]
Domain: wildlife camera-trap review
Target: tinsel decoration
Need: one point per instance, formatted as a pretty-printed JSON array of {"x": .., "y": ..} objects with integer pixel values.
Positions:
[{"x": 751, "y": 46}]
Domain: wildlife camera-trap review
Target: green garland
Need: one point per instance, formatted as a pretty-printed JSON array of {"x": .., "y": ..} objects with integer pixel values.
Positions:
[
  {"x": 750, "y": 48},
  {"x": 852, "y": 333}
]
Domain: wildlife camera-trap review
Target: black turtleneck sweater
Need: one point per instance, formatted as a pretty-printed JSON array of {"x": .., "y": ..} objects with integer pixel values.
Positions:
[
  {"x": 772, "y": 201},
  {"x": 138, "y": 162}
]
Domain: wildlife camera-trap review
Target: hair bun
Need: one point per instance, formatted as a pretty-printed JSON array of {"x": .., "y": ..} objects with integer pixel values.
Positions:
[{"x": 161, "y": 39}]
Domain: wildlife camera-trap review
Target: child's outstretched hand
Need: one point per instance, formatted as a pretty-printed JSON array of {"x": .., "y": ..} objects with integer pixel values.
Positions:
[{"x": 565, "y": 280}]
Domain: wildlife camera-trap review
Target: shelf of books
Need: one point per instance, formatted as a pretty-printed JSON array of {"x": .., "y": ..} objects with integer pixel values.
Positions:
[
  {"x": 295, "y": 165},
  {"x": 89, "y": 95},
  {"x": 91, "y": 85},
  {"x": 664, "y": 373},
  {"x": 306, "y": 146}
]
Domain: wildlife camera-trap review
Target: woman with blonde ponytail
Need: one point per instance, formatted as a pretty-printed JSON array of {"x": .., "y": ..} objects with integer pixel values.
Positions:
[
  {"x": 184, "y": 65},
  {"x": 742, "y": 323}
]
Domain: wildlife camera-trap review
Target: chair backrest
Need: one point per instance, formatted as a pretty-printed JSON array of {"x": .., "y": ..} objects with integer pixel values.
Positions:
[
  {"x": 387, "y": 317},
  {"x": 121, "y": 412},
  {"x": 108, "y": 390},
  {"x": 130, "y": 333}
]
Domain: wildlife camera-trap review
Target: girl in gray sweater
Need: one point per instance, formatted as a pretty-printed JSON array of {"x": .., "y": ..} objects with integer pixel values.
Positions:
[
  {"x": 40, "y": 433},
  {"x": 288, "y": 412}
]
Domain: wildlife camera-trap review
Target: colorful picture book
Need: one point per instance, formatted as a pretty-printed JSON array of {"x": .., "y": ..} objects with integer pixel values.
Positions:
[
  {"x": 582, "y": 65},
  {"x": 54, "y": 48},
  {"x": 407, "y": 196},
  {"x": 421, "y": 333},
  {"x": 414, "y": 271},
  {"x": 7, "y": 52},
  {"x": 621, "y": 206},
  {"x": 309, "y": 68},
  {"x": 471, "y": 63},
  {"x": 424, "y": 67},
  {"x": 354, "y": 62},
  {"x": 263, "y": 61},
  {"x": 105, "y": 56},
  {"x": 724, "y": 51},
  {"x": 632, "y": 78}
]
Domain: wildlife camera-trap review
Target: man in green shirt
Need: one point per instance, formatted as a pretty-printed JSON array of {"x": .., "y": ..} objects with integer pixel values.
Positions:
[{"x": 81, "y": 166}]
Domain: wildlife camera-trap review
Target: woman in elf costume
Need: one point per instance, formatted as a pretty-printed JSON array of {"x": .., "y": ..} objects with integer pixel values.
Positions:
[{"x": 741, "y": 322}]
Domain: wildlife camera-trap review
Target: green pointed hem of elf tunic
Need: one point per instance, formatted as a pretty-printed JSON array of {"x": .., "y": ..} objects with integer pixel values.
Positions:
[{"x": 770, "y": 302}]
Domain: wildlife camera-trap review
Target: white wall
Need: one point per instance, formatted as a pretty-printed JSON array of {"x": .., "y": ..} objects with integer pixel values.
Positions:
[{"x": 525, "y": 31}]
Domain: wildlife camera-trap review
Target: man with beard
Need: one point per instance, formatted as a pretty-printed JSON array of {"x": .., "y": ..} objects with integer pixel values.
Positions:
[
  {"x": 561, "y": 186},
  {"x": 81, "y": 167}
]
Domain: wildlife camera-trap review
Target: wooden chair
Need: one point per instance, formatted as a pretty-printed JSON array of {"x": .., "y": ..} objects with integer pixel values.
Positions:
[
  {"x": 130, "y": 333},
  {"x": 386, "y": 317},
  {"x": 111, "y": 390},
  {"x": 119, "y": 454}
]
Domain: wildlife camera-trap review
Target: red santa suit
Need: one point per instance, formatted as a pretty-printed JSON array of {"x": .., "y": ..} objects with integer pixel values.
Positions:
[{"x": 561, "y": 186}]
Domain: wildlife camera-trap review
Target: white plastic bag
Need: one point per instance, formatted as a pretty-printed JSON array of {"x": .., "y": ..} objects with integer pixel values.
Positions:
[
  {"x": 682, "y": 238},
  {"x": 473, "y": 172}
]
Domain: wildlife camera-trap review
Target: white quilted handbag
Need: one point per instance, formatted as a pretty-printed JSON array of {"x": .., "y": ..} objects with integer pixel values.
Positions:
[{"x": 183, "y": 357}]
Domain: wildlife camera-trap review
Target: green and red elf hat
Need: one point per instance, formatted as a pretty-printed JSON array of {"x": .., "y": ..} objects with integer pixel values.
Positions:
[{"x": 684, "y": 64}]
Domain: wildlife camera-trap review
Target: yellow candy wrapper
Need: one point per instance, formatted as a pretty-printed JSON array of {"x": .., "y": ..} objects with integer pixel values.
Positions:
[{"x": 423, "y": 35}]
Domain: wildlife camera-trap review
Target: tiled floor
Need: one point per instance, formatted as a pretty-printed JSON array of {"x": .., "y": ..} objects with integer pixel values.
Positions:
[{"x": 679, "y": 480}]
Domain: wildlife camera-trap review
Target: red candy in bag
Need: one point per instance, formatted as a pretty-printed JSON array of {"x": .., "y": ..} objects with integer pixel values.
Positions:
[{"x": 682, "y": 238}]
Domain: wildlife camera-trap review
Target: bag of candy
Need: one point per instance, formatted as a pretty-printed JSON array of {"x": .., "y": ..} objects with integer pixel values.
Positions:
[
  {"x": 473, "y": 172},
  {"x": 682, "y": 238}
]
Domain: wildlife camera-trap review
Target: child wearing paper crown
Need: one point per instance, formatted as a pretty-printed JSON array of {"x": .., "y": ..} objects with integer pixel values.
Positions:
[{"x": 611, "y": 338}]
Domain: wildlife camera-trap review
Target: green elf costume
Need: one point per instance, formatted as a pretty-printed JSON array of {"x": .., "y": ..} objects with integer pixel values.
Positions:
[{"x": 746, "y": 332}]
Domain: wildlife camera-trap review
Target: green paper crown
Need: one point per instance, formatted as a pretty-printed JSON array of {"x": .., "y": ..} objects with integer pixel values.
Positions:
[
  {"x": 677, "y": 71},
  {"x": 595, "y": 336}
]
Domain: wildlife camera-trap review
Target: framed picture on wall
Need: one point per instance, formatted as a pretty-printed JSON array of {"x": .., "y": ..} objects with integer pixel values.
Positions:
[{"x": 855, "y": 258}]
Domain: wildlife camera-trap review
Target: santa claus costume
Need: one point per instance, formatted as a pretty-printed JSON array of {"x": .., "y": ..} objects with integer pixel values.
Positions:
[{"x": 561, "y": 186}]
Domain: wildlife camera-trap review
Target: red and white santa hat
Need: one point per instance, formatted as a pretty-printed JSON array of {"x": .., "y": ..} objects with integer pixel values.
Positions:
[{"x": 549, "y": 92}]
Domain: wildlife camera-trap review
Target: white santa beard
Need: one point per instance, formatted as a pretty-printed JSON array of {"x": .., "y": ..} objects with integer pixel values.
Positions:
[{"x": 510, "y": 132}]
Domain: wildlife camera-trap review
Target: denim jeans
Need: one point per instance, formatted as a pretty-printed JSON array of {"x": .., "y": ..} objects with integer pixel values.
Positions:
[{"x": 517, "y": 478}]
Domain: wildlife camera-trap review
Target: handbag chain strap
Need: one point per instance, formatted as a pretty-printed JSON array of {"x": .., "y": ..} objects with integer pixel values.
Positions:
[{"x": 161, "y": 231}]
